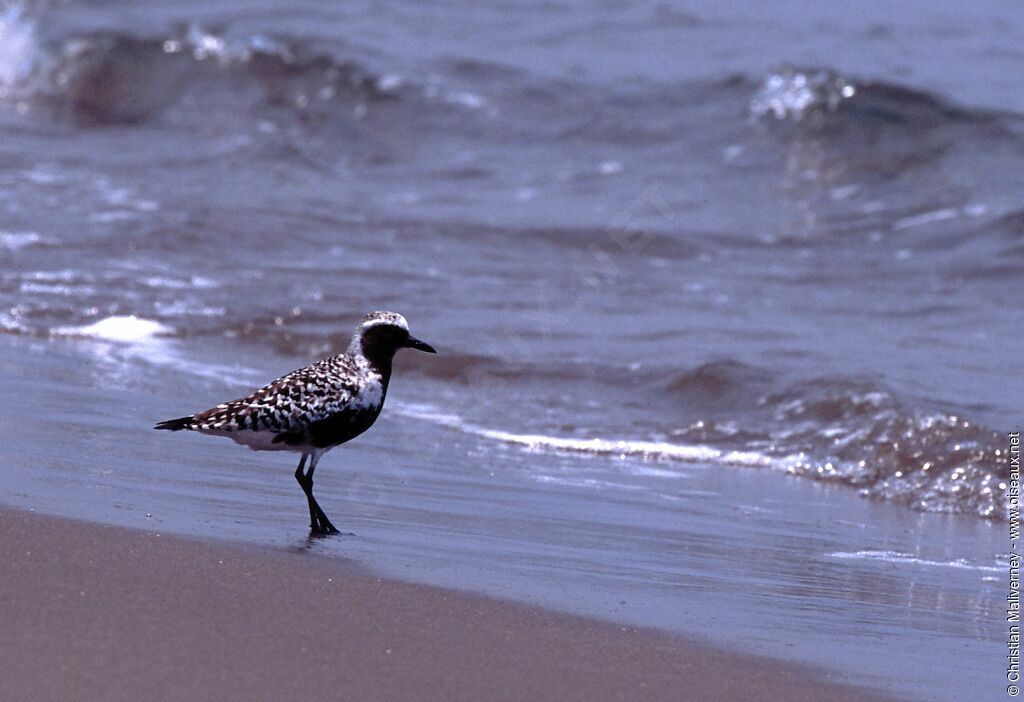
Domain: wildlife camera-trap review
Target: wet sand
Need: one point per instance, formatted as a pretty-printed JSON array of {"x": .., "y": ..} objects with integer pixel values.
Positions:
[{"x": 105, "y": 613}]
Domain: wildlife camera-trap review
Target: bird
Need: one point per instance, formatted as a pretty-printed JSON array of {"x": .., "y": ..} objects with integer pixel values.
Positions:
[{"x": 313, "y": 409}]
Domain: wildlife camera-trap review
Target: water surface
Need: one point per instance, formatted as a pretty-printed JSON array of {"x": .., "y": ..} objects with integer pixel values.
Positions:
[{"x": 727, "y": 305}]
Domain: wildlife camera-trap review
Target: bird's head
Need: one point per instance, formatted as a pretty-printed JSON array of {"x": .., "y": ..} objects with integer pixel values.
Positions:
[{"x": 381, "y": 334}]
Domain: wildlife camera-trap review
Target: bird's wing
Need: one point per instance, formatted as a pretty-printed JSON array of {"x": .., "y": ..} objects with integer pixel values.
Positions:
[{"x": 289, "y": 404}]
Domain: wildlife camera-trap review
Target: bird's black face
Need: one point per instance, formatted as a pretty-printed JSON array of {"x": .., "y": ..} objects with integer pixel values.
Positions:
[{"x": 382, "y": 341}]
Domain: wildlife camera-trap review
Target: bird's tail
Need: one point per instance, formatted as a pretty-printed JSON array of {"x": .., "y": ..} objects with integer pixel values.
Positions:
[{"x": 176, "y": 424}]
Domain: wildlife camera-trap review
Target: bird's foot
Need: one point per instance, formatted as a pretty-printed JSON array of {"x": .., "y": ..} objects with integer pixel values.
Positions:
[
  {"x": 324, "y": 533},
  {"x": 322, "y": 526}
]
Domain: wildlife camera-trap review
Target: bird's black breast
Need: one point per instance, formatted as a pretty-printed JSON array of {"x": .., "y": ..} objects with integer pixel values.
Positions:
[{"x": 341, "y": 427}]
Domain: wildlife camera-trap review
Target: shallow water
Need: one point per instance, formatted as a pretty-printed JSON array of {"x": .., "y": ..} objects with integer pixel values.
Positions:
[
  {"x": 738, "y": 556},
  {"x": 702, "y": 281}
]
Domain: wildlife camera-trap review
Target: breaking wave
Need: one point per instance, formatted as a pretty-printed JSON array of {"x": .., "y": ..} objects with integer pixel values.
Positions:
[
  {"x": 832, "y": 430},
  {"x": 860, "y": 435},
  {"x": 112, "y": 78},
  {"x": 613, "y": 448},
  {"x": 109, "y": 78},
  {"x": 818, "y": 96}
]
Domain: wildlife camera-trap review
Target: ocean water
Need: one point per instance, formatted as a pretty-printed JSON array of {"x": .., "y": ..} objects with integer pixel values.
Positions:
[{"x": 727, "y": 301}]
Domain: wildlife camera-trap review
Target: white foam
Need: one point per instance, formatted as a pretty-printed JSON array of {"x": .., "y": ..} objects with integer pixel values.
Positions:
[
  {"x": 927, "y": 218},
  {"x": 56, "y": 289},
  {"x": 623, "y": 448},
  {"x": 389, "y": 83},
  {"x": 62, "y": 276},
  {"x": 791, "y": 94},
  {"x": 12, "y": 241},
  {"x": 129, "y": 340},
  {"x": 907, "y": 559},
  {"x": 610, "y": 167},
  {"x": 618, "y": 448},
  {"x": 196, "y": 281},
  {"x": 19, "y": 50},
  {"x": 463, "y": 99},
  {"x": 125, "y": 329},
  {"x": 10, "y": 323}
]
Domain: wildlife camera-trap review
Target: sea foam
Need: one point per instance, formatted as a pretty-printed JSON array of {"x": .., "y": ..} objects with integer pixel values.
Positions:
[{"x": 127, "y": 329}]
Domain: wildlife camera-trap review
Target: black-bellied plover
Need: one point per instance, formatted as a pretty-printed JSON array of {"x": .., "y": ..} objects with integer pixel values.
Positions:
[{"x": 313, "y": 409}]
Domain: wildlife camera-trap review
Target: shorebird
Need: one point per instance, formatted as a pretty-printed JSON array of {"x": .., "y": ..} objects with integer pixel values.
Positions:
[{"x": 313, "y": 409}]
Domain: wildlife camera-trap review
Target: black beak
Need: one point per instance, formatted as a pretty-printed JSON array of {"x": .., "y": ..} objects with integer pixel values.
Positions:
[{"x": 414, "y": 343}]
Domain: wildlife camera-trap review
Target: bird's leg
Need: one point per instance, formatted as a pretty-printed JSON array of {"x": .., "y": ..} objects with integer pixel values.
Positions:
[
  {"x": 306, "y": 483},
  {"x": 318, "y": 521}
]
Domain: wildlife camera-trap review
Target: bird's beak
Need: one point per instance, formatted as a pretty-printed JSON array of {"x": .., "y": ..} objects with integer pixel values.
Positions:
[{"x": 414, "y": 343}]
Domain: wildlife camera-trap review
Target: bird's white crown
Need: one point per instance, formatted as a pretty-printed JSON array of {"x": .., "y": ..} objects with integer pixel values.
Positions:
[
  {"x": 375, "y": 319},
  {"x": 390, "y": 318}
]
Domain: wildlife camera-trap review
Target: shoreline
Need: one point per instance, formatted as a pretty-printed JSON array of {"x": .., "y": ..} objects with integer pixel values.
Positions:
[{"x": 101, "y": 612}]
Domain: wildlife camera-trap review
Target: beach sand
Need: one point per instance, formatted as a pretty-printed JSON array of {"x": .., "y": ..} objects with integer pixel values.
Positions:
[{"x": 104, "y": 613}]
